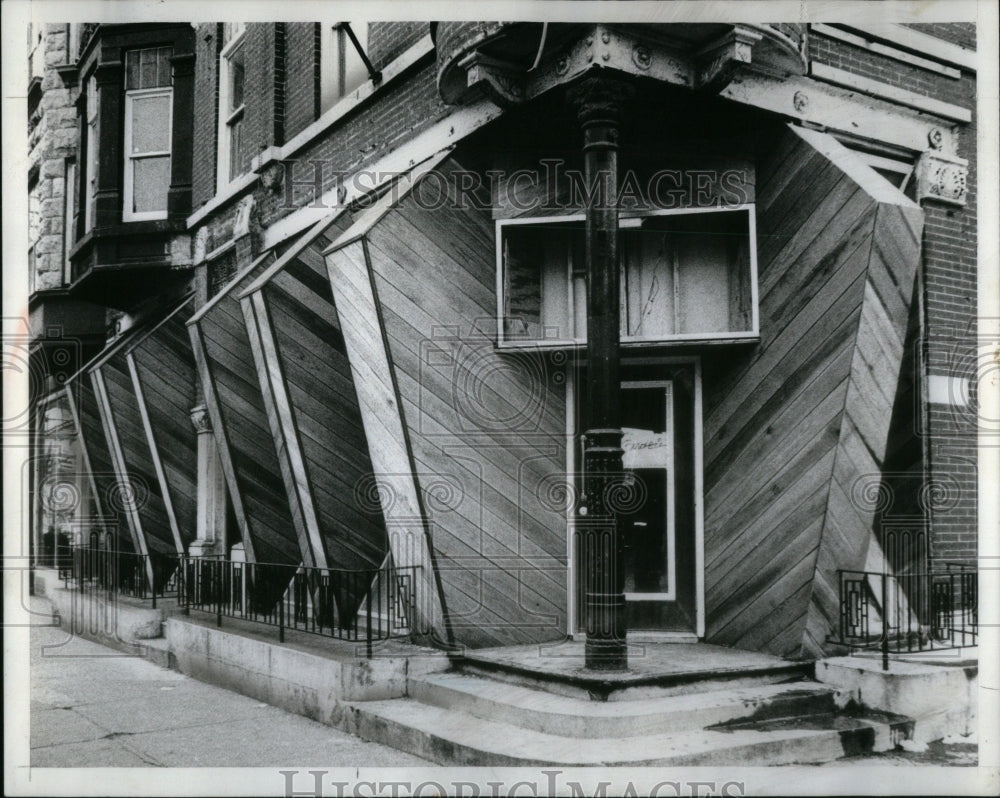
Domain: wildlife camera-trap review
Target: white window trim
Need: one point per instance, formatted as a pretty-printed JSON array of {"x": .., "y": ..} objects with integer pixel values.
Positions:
[
  {"x": 223, "y": 180},
  {"x": 336, "y": 47},
  {"x": 90, "y": 164},
  {"x": 625, "y": 221},
  {"x": 128, "y": 215}
]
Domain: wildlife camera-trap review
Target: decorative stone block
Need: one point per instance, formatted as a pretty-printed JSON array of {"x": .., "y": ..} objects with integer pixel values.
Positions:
[{"x": 943, "y": 177}]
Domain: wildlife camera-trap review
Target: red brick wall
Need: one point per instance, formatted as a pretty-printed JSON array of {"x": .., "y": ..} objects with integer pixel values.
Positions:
[
  {"x": 258, "y": 125},
  {"x": 950, "y": 343},
  {"x": 388, "y": 40},
  {"x": 397, "y": 113},
  {"x": 859, "y": 61},
  {"x": 206, "y": 119},
  {"x": 301, "y": 76}
]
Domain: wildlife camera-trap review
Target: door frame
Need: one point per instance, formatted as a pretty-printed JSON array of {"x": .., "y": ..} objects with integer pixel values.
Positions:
[{"x": 572, "y": 464}]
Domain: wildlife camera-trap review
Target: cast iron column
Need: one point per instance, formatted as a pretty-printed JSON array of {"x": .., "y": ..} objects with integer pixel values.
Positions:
[{"x": 598, "y": 103}]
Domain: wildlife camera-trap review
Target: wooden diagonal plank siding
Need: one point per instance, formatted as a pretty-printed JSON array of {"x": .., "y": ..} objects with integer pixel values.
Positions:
[
  {"x": 98, "y": 468},
  {"x": 319, "y": 420},
  {"x": 163, "y": 376},
  {"x": 239, "y": 422},
  {"x": 475, "y": 433},
  {"x": 134, "y": 463},
  {"x": 792, "y": 424}
]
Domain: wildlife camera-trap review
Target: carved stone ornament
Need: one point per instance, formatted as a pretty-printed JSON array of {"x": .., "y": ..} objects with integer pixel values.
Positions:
[
  {"x": 642, "y": 56},
  {"x": 200, "y": 245},
  {"x": 200, "y": 420},
  {"x": 241, "y": 225},
  {"x": 502, "y": 82},
  {"x": 599, "y": 97},
  {"x": 942, "y": 177}
]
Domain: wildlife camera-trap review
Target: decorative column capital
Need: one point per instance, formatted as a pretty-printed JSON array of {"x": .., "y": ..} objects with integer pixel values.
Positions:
[
  {"x": 600, "y": 98},
  {"x": 200, "y": 419},
  {"x": 942, "y": 176}
]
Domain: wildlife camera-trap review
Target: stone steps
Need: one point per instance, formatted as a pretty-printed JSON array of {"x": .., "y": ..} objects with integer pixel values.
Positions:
[
  {"x": 553, "y": 713},
  {"x": 511, "y": 713},
  {"x": 453, "y": 737},
  {"x": 636, "y": 686}
]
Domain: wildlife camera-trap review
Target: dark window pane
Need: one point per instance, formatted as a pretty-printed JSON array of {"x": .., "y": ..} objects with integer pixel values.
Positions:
[{"x": 237, "y": 77}]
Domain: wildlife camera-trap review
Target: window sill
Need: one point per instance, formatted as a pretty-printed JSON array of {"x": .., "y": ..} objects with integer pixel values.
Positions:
[
  {"x": 685, "y": 339},
  {"x": 231, "y": 192}
]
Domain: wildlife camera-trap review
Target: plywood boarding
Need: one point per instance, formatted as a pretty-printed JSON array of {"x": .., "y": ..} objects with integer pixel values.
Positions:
[
  {"x": 394, "y": 486},
  {"x": 783, "y": 421},
  {"x": 314, "y": 413},
  {"x": 163, "y": 376},
  {"x": 874, "y": 378},
  {"x": 143, "y": 498},
  {"x": 100, "y": 474},
  {"x": 484, "y": 430},
  {"x": 239, "y": 422}
]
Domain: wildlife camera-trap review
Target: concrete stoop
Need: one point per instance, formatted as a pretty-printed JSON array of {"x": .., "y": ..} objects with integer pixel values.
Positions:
[
  {"x": 680, "y": 704},
  {"x": 121, "y": 623},
  {"x": 940, "y": 692},
  {"x": 468, "y": 718}
]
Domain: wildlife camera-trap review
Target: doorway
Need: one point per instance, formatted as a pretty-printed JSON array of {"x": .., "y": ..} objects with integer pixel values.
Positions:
[{"x": 661, "y": 523}]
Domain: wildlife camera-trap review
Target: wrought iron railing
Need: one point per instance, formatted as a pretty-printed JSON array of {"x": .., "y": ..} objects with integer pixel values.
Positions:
[
  {"x": 909, "y": 612},
  {"x": 359, "y": 605},
  {"x": 118, "y": 573}
]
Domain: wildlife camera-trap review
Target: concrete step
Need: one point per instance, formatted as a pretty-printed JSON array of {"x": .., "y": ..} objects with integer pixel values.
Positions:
[
  {"x": 450, "y": 737},
  {"x": 552, "y": 713},
  {"x": 636, "y": 686},
  {"x": 157, "y": 651}
]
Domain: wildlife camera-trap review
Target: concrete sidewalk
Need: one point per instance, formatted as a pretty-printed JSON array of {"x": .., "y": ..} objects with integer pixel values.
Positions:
[{"x": 93, "y": 706}]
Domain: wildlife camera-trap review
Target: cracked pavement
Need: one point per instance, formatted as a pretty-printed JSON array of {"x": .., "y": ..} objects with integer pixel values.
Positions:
[{"x": 92, "y": 706}]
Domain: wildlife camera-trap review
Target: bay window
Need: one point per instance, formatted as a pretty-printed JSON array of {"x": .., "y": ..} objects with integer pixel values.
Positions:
[{"x": 148, "y": 115}]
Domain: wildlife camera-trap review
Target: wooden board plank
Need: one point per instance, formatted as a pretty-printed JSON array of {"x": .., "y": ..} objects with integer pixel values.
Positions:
[
  {"x": 155, "y": 456},
  {"x": 353, "y": 293},
  {"x": 419, "y": 291},
  {"x": 283, "y": 431}
]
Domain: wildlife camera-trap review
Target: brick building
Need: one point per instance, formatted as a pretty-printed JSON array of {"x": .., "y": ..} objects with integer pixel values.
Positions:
[{"x": 326, "y": 287}]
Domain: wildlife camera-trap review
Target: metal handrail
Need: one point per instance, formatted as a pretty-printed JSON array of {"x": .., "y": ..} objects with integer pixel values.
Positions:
[
  {"x": 361, "y": 605},
  {"x": 908, "y": 613},
  {"x": 117, "y": 572}
]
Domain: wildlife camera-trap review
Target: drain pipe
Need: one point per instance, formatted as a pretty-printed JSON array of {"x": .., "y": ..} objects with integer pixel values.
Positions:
[{"x": 598, "y": 102}]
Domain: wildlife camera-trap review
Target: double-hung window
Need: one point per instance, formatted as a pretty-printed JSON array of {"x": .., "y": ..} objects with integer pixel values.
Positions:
[
  {"x": 341, "y": 67},
  {"x": 148, "y": 113},
  {"x": 232, "y": 71}
]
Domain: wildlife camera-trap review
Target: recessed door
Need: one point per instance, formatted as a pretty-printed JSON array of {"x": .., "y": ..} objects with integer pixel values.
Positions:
[{"x": 658, "y": 512}]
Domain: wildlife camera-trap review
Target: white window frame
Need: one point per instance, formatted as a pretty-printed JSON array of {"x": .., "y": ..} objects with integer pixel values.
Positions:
[
  {"x": 128, "y": 215},
  {"x": 626, "y": 220},
  {"x": 340, "y": 63},
  {"x": 92, "y": 162},
  {"x": 226, "y": 117}
]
